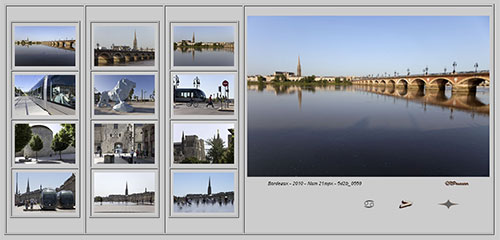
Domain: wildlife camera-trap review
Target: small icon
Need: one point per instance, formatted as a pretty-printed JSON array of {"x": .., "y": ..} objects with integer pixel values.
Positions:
[
  {"x": 369, "y": 203},
  {"x": 405, "y": 204},
  {"x": 448, "y": 204}
]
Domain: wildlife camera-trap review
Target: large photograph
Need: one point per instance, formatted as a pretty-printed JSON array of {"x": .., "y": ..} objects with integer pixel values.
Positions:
[{"x": 368, "y": 96}]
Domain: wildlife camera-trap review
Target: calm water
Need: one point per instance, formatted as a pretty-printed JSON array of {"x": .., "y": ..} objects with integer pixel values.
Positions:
[
  {"x": 150, "y": 62},
  {"x": 204, "y": 57},
  {"x": 42, "y": 55},
  {"x": 362, "y": 131}
]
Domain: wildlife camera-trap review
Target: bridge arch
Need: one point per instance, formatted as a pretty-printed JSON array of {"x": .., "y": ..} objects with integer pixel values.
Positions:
[
  {"x": 129, "y": 57},
  {"x": 440, "y": 83},
  {"x": 118, "y": 57},
  {"x": 402, "y": 83},
  {"x": 104, "y": 58},
  {"x": 470, "y": 84}
]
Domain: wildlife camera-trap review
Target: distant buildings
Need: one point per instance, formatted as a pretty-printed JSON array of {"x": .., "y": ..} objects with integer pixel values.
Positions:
[
  {"x": 146, "y": 197},
  {"x": 291, "y": 76},
  {"x": 125, "y": 48},
  {"x": 193, "y": 43},
  {"x": 221, "y": 197}
]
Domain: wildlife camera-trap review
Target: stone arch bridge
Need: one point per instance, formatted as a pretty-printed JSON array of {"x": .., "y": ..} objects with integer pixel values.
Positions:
[
  {"x": 66, "y": 44},
  {"x": 110, "y": 56},
  {"x": 462, "y": 82}
]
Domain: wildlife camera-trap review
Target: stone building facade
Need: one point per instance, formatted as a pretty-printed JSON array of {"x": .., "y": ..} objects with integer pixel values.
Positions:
[
  {"x": 123, "y": 138},
  {"x": 189, "y": 147}
]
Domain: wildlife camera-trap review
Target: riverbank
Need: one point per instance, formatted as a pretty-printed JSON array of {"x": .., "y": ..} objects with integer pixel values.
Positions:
[{"x": 299, "y": 83}]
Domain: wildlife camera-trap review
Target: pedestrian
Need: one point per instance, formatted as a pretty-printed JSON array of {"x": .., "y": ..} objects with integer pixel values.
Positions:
[
  {"x": 132, "y": 156},
  {"x": 210, "y": 101}
]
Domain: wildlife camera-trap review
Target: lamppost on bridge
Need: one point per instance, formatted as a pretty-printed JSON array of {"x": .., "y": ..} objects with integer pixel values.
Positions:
[
  {"x": 476, "y": 66},
  {"x": 394, "y": 73},
  {"x": 196, "y": 82},
  {"x": 426, "y": 70},
  {"x": 408, "y": 71},
  {"x": 454, "y": 66},
  {"x": 444, "y": 70}
]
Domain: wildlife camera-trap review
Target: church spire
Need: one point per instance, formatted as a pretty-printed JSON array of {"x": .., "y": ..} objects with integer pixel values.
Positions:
[
  {"x": 126, "y": 188},
  {"x": 135, "y": 40},
  {"x": 193, "y": 38},
  {"x": 209, "y": 191},
  {"x": 299, "y": 69},
  {"x": 28, "y": 186},
  {"x": 17, "y": 185}
]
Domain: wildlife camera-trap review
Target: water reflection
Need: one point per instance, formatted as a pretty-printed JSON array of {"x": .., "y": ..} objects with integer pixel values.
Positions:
[
  {"x": 189, "y": 56},
  {"x": 334, "y": 130},
  {"x": 43, "y": 55}
]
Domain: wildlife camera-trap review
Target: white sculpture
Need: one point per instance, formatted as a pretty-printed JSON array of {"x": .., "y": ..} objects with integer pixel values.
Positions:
[{"x": 120, "y": 93}]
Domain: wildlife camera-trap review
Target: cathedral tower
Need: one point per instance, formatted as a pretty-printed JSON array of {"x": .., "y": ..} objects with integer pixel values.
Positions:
[
  {"x": 28, "y": 186},
  {"x": 193, "y": 38},
  {"x": 299, "y": 70},
  {"x": 126, "y": 188},
  {"x": 135, "y": 41},
  {"x": 209, "y": 191}
]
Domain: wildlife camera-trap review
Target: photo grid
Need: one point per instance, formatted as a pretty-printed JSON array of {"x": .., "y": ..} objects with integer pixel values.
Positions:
[
  {"x": 203, "y": 119},
  {"x": 124, "y": 72},
  {"x": 45, "y": 97}
]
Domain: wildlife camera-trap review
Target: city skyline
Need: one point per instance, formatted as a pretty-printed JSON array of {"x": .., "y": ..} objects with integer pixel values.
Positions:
[
  {"x": 104, "y": 82},
  {"x": 204, "y": 131},
  {"x": 106, "y": 36},
  {"x": 363, "y": 45},
  {"x": 109, "y": 183},
  {"x": 197, "y": 182},
  {"x": 46, "y": 179},
  {"x": 44, "y": 33},
  {"x": 209, "y": 83},
  {"x": 204, "y": 33}
]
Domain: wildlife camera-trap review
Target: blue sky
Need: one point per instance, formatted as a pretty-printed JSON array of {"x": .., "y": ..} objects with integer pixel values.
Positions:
[
  {"x": 46, "y": 179},
  {"x": 204, "y": 33},
  {"x": 204, "y": 131},
  {"x": 362, "y": 45},
  {"x": 124, "y": 35},
  {"x": 197, "y": 182},
  {"x": 106, "y": 183},
  {"x": 26, "y": 82},
  {"x": 44, "y": 33},
  {"x": 209, "y": 83},
  {"x": 108, "y": 82}
]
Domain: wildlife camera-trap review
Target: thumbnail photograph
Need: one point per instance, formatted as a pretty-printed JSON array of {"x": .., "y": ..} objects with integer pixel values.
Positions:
[
  {"x": 203, "y": 143},
  {"x": 375, "y": 97},
  {"x": 124, "y": 192},
  {"x": 44, "y": 193},
  {"x": 124, "y": 143},
  {"x": 44, "y": 95},
  {"x": 203, "y": 94},
  {"x": 45, "y": 143},
  {"x": 124, "y": 44},
  {"x": 203, "y": 45},
  {"x": 51, "y": 45},
  {"x": 203, "y": 193},
  {"x": 124, "y": 94}
]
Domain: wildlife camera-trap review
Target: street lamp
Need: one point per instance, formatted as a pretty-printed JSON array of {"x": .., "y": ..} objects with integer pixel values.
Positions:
[
  {"x": 408, "y": 71},
  {"x": 475, "y": 66},
  {"x": 176, "y": 81},
  {"x": 444, "y": 70},
  {"x": 196, "y": 82},
  {"x": 426, "y": 70},
  {"x": 454, "y": 66}
]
